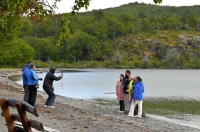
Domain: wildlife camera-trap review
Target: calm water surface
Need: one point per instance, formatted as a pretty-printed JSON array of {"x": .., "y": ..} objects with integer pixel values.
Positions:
[{"x": 100, "y": 83}]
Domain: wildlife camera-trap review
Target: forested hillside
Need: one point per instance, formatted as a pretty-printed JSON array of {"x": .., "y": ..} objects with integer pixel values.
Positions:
[{"x": 135, "y": 35}]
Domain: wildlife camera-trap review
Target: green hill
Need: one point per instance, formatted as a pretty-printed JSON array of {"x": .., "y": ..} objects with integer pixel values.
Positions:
[
  {"x": 135, "y": 35},
  {"x": 150, "y": 10}
]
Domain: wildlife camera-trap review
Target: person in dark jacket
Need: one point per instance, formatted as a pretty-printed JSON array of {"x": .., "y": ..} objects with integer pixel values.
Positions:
[
  {"x": 125, "y": 88},
  {"x": 48, "y": 86}
]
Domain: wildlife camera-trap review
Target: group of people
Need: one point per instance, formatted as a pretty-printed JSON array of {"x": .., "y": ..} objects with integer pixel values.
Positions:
[
  {"x": 30, "y": 84},
  {"x": 129, "y": 91}
]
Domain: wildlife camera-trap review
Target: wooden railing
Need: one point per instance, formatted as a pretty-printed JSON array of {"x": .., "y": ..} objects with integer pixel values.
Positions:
[{"x": 22, "y": 108}]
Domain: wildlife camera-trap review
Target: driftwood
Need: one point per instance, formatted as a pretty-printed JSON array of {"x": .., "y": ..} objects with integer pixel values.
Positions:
[
  {"x": 33, "y": 123},
  {"x": 7, "y": 115},
  {"x": 22, "y": 107},
  {"x": 46, "y": 129},
  {"x": 29, "y": 108}
]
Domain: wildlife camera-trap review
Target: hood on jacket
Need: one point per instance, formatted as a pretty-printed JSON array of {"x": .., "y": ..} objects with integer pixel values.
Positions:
[
  {"x": 139, "y": 83},
  {"x": 52, "y": 70}
]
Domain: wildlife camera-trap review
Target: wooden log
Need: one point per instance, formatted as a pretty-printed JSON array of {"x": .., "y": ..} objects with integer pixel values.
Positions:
[
  {"x": 21, "y": 106},
  {"x": 35, "y": 124},
  {"x": 7, "y": 115},
  {"x": 23, "y": 117},
  {"x": 29, "y": 108},
  {"x": 19, "y": 128},
  {"x": 46, "y": 129},
  {"x": 15, "y": 117},
  {"x": 32, "y": 123}
]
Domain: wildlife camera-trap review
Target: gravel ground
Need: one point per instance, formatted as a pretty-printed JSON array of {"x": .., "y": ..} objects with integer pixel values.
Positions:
[{"x": 76, "y": 115}]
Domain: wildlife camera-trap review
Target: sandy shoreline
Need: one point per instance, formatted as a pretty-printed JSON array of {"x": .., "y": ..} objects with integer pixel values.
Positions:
[{"x": 76, "y": 115}]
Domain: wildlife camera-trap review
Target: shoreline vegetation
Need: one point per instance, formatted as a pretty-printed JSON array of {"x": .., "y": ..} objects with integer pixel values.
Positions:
[
  {"x": 134, "y": 35},
  {"x": 110, "y": 64},
  {"x": 76, "y": 115}
]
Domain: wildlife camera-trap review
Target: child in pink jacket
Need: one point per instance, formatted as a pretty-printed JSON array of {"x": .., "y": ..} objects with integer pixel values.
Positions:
[{"x": 120, "y": 93}]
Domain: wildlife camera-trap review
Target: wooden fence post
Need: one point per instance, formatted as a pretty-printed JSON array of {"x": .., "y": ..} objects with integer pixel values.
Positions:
[
  {"x": 7, "y": 115},
  {"x": 23, "y": 117}
]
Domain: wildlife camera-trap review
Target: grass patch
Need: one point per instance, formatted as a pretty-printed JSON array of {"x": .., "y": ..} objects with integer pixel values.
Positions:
[
  {"x": 169, "y": 107},
  {"x": 161, "y": 106}
]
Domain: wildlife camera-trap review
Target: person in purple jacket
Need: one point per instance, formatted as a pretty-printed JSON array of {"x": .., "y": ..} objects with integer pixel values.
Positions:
[{"x": 137, "y": 97}]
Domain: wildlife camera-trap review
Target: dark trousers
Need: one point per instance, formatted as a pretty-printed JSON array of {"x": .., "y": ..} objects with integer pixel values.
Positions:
[
  {"x": 121, "y": 104},
  {"x": 51, "y": 98},
  {"x": 30, "y": 95},
  {"x": 25, "y": 86},
  {"x": 26, "y": 93},
  {"x": 136, "y": 110}
]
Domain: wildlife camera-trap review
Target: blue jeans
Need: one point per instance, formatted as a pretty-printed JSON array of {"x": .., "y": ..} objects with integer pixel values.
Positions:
[{"x": 51, "y": 98}]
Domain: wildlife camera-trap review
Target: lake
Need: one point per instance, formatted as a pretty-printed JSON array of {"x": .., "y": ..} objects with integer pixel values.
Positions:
[
  {"x": 178, "y": 88},
  {"x": 100, "y": 83}
]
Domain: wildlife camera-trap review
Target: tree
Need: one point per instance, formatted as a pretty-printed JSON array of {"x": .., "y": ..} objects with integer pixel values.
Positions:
[
  {"x": 15, "y": 51},
  {"x": 157, "y": 1},
  {"x": 11, "y": 11},
  {"x": 44, "y": 48},
  {"x": 82, "y": 46},
  {"x": 34, "y": 9}
]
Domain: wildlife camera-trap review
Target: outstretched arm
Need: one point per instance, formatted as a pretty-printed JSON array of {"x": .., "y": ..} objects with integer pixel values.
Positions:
[{"x": 56, "y": 78}]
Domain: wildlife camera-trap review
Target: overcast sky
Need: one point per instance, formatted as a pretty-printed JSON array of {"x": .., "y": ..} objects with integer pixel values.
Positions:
[{"x": 66, "y": 5}]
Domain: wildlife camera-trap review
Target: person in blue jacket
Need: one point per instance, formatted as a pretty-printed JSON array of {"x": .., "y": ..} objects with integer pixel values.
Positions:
[
  {"x": 137, "y": 97},
  {"x": 32, "y": 78},
  {"x": 24, "y": 70}
]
